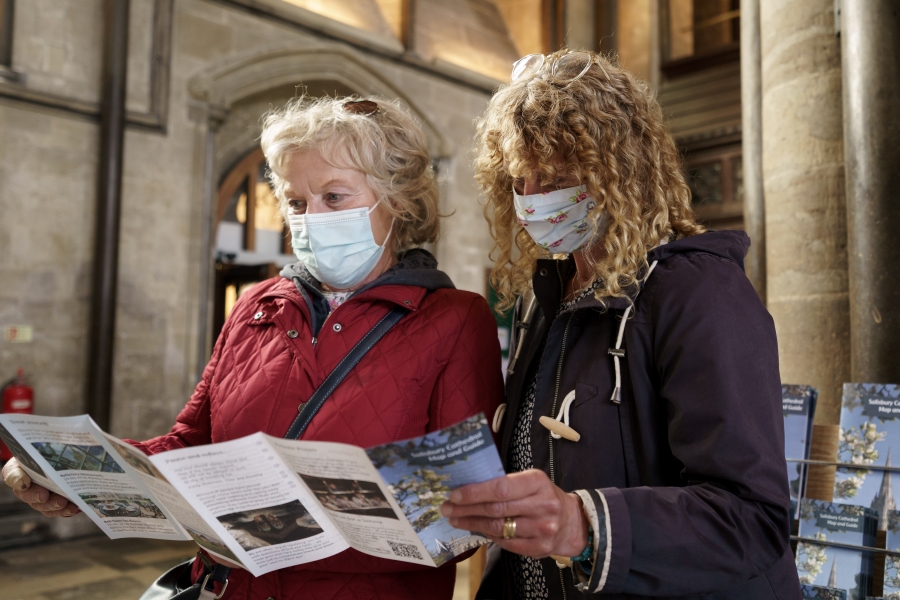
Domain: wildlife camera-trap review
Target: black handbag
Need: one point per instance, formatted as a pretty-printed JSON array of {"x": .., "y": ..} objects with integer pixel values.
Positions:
[{"x": 176, "y": 583}]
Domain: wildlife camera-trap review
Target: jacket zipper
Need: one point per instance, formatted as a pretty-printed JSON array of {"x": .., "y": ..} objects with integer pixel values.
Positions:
[
  {"x": 312, "y": 313},
  {"x": 559, "y": 366}
]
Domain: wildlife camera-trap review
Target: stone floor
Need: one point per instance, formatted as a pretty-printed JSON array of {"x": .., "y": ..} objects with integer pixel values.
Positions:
[
  {"x": 95, "y": 568},
  {"x": 98, "y": 568}
]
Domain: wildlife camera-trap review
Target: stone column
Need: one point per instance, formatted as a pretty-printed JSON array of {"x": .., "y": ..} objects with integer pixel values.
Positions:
[
  {"x": 870, "y": 43},
  {"x": 751, "y": 126},
  {"x": 803, "y": 170}
]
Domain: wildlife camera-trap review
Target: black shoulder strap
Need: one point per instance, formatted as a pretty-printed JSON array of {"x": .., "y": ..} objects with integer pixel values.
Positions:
[
  {"x": 220, "y": 572},
  {"x": 334, "y": 378}
]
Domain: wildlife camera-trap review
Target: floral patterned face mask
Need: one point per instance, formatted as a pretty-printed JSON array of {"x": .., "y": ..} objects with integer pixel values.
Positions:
[{"x": 557, "y": 221}]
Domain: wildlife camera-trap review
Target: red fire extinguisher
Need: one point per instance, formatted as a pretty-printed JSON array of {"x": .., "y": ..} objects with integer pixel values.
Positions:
[{"x": 17, "y": 398}]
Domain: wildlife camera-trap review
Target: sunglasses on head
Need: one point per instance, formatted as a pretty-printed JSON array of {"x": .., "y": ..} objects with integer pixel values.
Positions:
[
  {"x": 567, "y": 68},
  {"x": 362, "y": 107}
]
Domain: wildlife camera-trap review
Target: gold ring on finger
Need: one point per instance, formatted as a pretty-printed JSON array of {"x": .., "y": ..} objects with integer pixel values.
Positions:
[{"x": 509, "y": 528}]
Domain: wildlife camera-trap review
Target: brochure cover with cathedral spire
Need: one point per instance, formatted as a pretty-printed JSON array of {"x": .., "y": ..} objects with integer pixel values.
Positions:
[
  {"x": 870, "y": 427},
  {"x": 832, "y": 566},
  {"x": 839, "y": 523},
  {"x": 870, "y": 423},
  {"x": 874, "y": 488}
]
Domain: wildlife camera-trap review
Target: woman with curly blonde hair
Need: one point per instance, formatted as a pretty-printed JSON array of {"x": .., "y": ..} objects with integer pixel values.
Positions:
[{"x": 643, "y": 425}]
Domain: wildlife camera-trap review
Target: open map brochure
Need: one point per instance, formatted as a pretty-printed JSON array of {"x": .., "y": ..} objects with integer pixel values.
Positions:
[{"x": 265, "y": 502}]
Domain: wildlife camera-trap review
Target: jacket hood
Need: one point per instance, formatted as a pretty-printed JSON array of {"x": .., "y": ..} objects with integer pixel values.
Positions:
[
  {"x": 731, "y": 245},
  {"x": 416, "y": 267}
]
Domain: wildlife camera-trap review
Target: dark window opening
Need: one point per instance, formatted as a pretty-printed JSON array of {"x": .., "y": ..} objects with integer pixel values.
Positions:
[
  {"x": 699, "y": 33},
  {"x": 716, "y": 180}
]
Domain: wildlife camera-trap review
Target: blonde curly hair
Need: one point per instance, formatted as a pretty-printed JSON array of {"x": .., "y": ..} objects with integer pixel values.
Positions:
[
  {"x": 604, "y": 129},
  {"x": 389, "y": 147}
]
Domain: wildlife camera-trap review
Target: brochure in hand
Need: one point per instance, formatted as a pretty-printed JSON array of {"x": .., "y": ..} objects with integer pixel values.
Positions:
[{"x": 265, "y": 503}]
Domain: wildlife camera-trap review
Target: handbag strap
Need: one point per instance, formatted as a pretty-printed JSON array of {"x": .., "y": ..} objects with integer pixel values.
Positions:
[
  {"x": 315, "y": 402},
  {"x": 219, "y": 574}
]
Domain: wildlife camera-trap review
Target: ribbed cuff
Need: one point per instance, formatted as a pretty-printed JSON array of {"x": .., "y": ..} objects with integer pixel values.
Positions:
[{"x": 592, "y": 577}]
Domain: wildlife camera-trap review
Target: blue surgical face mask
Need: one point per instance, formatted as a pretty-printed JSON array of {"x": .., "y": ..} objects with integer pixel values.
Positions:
[
  {"x": 557, "y": 221},
  {"x": 338, "y": 248}
]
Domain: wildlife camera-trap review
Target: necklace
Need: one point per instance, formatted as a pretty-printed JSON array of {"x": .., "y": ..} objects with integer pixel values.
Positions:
[{"x": 583, "y": 293}]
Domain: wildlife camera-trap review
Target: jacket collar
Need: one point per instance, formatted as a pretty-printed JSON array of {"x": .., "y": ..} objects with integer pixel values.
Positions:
[
  {"x": 416, "y": 268},
  {"x": 549, "y": 282},
  {"x": 548, "y": 289}
]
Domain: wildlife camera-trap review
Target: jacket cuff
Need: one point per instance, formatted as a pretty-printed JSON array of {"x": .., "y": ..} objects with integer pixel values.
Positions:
[
  {"x": 618, "y": 540},
  {"x": 609, "y": 518},
  {"x": 590, "y": 574}
]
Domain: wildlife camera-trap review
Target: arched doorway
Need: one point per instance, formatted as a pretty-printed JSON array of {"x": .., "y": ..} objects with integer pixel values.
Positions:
[{"x": 252, "y": 242}]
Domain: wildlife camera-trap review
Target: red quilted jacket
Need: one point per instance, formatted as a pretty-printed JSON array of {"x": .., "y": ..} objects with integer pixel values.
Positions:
[{"x": 438, "y": 365}]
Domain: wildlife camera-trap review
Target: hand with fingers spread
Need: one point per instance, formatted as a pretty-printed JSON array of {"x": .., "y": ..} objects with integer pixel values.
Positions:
[
  {"x": 524, "y": 513},
  {"x": 39, "y": 498}
]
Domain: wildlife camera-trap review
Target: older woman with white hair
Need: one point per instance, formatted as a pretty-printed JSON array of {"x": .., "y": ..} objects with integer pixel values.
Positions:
[{"x": 357, "y": 188}]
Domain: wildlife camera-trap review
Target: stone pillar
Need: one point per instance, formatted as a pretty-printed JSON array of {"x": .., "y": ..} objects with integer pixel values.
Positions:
[
  {"x": 870, "y": 44},
  {"x": 751, "y": 126},
  {"x": 803, "y": 170}
]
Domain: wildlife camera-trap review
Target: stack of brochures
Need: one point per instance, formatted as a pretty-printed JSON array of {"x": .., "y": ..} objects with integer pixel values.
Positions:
[
  {"x": 866, "y": 473},
  {"x": 799, "y": 406},
  {"x": 265, "y": 503},
  {"x": 870, "y": 429},
  {"x": 830, "y": 553}
]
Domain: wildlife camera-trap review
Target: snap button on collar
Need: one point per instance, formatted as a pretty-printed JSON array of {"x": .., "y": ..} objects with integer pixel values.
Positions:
[
  {"x": 336, "y": 327},
  {"x": 292, "y": 333},
  {"x": 407, "y": 302},
  {"x": 259, "y": 315}
]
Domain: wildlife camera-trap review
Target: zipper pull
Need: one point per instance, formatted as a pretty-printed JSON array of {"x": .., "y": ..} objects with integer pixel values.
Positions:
[{"x": 314, "y": 342}]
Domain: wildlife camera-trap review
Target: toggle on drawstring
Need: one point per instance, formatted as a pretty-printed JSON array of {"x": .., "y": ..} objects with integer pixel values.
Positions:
[
  {"x": 498, "y": 418},
  {"x": 619, "y": 352},
  {"x": 559, "y": 427}
]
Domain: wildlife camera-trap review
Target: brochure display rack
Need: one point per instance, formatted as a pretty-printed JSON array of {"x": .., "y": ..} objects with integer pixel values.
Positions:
[{"x": 850, "y": 547}]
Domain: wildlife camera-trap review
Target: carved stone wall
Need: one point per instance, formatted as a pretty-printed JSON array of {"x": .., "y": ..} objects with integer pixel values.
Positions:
[{"x": 201, "y": 75}]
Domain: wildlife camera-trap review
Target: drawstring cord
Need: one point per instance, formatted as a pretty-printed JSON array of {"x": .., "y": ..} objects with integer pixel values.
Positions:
[
  {"x": 619, "y": 352},
  {"x": 498, "y": 418},
  {"x": 567, "y": 432},
  {"x": 559, "y": 427}
]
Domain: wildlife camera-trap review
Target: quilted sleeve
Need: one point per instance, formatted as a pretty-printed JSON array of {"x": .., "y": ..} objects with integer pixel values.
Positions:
[
  {"x": 472, "y": 380},
  {"x": 192, "y": 426}
]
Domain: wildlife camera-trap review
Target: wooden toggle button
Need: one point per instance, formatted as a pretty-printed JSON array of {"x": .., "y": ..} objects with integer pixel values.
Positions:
[
  {"x": 563, "y": 562},
  {"x": 560, "y": 428}
]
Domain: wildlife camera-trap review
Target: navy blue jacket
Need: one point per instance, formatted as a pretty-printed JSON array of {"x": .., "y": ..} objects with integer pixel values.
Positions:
[{"x": 690, "y": 466}]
